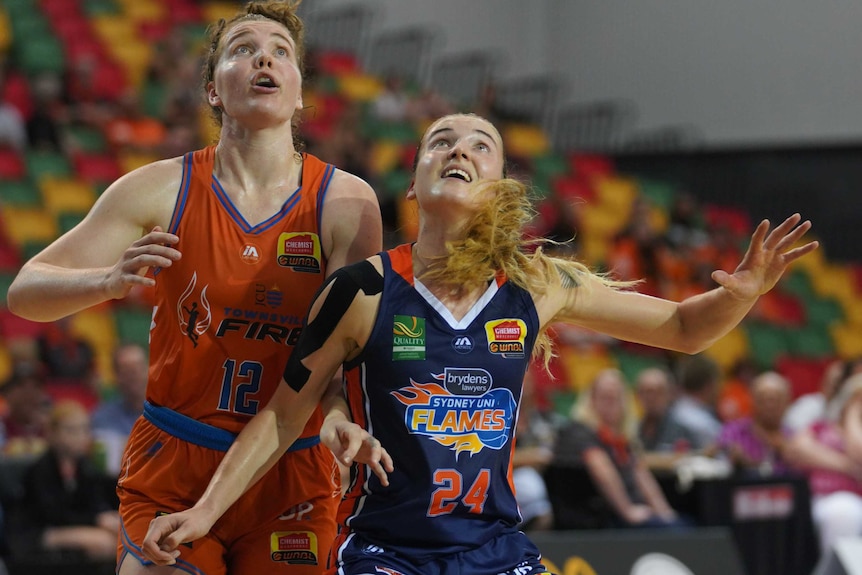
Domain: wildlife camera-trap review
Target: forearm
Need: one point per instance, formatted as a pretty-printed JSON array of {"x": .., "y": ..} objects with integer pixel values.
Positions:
[
  {"x": 707, "y": 317},
  {"x": 43, "y": 292},
  {"x": 651, "y": 490},
  {"x": 804, "y": 451},
  {"x": 609, "y": 484},
  {"x": 260, "y": 445}
]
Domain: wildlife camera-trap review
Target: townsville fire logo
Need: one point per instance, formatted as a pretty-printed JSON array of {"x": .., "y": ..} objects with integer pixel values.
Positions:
[{"x": 460, "y": 410}]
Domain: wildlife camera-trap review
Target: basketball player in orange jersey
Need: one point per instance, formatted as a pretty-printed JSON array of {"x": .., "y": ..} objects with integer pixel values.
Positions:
[{"x": 238, "y": 237}]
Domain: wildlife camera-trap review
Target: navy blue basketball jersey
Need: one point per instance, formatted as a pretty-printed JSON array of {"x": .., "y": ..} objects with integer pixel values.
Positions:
[{"x": 441, "y": 396}]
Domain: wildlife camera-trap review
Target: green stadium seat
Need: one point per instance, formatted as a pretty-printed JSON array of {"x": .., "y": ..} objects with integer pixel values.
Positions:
[
  {"x": 812, "y": 341},
  {"x": 798, "y": 283},
  {"x": 43, "y": 53},
  {"x": 823, "y": 311},
  {"x": 660, "y": 194},
  {"x": 100, "y": 7},
  {"x": 767, "y": 343},
  {"x": 5, "y": 281},
  {"x": 133, "y": 325},
  {"x": 68, "y": 220},
  {"x": 549, "y": 166},
  {"x": 43, "y": 163},
  {"x": 86, "y": 139},
  {"x": 631, "y": 364},
  {"x": 20, "y": 193}
]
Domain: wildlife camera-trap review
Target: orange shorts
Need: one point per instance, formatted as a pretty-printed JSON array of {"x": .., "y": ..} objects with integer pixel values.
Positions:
[{"x": 286, "y": 520}]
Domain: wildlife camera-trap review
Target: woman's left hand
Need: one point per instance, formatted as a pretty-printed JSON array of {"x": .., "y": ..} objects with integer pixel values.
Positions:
[{"x": 768, "y": 255}]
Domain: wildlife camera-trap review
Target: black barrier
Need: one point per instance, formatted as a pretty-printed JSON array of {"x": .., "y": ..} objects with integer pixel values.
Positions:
[{"x": 700, "y": 551}]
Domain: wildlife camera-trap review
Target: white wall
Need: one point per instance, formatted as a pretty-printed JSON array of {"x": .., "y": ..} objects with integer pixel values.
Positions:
[{"x": 743, "y": 71}]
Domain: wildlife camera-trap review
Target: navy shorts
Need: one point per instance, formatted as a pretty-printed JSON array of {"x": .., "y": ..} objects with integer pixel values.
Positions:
[{"x": 508, "y": 554}]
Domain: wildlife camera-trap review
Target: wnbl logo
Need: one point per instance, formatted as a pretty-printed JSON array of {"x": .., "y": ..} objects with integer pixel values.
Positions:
[{"x": 462, "y": 344}]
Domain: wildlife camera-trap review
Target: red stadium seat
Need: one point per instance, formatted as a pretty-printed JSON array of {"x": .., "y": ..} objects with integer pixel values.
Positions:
[
  {"x": 11, "y": 165},
  {"x": 97, "y": 168},
  {"x": 803, "y": 373}
]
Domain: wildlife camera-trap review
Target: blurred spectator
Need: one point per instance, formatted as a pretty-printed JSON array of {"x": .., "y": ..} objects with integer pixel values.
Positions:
[
  {"x": 66, "y": 356},
  {"x": 811, "y": 407},
  {"x": 624, "y": 491},
  {"x": 699, "y": 378},
  {"x": 49, "y": 113},
  {"x": 113, "y": 419},
  {"x": 734, "y": 399},
  {"x": 13, "y": 133},
  {"x": 662, "y": 438},
  {"x": 63, "y": 507},
  {"x": 834, "y": 476},
  {"x": 392, "y": 104},
  {"x": 756, "y": 444},
  {"x": 27, "y": 408},
  {"x": 131, "y": 129},
  {"x": 427, "y": 106},
  {"x": 636, "y": 253},
  {"x": 534, "y": 445}
]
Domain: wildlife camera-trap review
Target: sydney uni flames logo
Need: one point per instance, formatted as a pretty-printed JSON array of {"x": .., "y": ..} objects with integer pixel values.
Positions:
[
  {"x": 461, "y": 412},
  {"x": 194, "y": 316}
]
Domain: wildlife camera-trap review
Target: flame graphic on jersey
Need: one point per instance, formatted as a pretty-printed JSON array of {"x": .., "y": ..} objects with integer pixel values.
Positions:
[
  {"x": 463, "y": 424},
  {"x": 194, "y": 321}
]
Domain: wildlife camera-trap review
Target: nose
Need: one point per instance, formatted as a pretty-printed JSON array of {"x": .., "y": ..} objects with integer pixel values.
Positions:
[
  {"x": 263, "y": 60},
  {"x": 458, "y": 150}
]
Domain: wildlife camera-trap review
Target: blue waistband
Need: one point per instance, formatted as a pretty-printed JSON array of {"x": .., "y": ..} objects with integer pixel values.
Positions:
[{"x": 203, "y": 434}]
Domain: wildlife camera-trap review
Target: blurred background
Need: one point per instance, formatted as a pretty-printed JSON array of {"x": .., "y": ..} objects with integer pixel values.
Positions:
[{"x": 656, "y": 135}]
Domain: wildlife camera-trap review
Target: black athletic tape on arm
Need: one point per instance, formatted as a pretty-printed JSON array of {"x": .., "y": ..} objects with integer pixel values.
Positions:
[{"x": 346, "y": 283}]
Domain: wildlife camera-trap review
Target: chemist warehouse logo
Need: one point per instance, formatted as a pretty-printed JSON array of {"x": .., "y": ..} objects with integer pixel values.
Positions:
[
  {"x": 506, "y": 337},
  {"x": 299, "y": 251},
  {"x": 461, "y": 412}
]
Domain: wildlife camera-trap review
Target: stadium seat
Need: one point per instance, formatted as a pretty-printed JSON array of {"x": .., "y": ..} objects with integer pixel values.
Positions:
[
  {"x": 590, "y": 165},
  {"x": 359, "y": 87},
  {"x": 133, "y": 325},
  {"x": 582, "y": 368},
  {"x": 730, "y": 349},
  {"x": 804, "y": 374},
  {"x": 11, "y": 165},
  {"x": 14, "y": 327},
  {"x": 24, "y": 224},
  {"x": 85, "y": 139},
  {"x": 94, "y": 168},
  {"x": 42, "y": 164},
  {"x": 631, "y": 364},
  {"x": 61, "y": 195},
  {"x": 20, "y": 193},
  {"x": 525, "y": 140},
  {"x": 813, "y": 341},
  {"x": 847, "y": 338},
  {"x": 766, "y": 342}
]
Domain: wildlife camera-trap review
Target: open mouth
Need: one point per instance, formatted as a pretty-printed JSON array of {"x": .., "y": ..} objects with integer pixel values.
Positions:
[
  {"x": 265, "y": 81},
  {"x": 457, "y": 174}
]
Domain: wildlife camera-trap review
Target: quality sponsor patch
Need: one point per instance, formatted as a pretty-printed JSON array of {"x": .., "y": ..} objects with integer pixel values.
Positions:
[{"x": 408, "y": 338}]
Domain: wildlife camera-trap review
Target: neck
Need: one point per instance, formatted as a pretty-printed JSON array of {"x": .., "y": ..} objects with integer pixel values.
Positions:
[{"x": 262, "y": 159}]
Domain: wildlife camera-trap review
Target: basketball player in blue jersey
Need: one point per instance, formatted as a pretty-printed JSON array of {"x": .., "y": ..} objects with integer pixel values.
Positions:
[{"x": 435, "y": 338}]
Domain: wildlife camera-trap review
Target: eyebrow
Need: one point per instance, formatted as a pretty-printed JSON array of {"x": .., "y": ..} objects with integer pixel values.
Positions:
[
  {"x": 441, "y": 130},
  {"x": 231, "y": 38}
]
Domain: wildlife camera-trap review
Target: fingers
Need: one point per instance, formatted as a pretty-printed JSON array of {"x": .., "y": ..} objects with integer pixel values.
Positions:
[
  {"x": 156, "y": 547},
  {"x": 381, "y": 465}
]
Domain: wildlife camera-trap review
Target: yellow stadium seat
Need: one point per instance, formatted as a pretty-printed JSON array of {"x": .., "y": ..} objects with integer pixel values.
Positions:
[
  {"x": 385, "y": 156},
  {"x": 847, "y": 338},
  {"x": 5, "y": 363},
  {"x": 834, "y": 280},
  {"x": 5, "y": 32},
  {"x": 133, "y": 160},
  {"x": 581, "y": 368},
  {"x": 212, "y": 11},
  {"x": 29, "y": 225},
  {"x": 408, "y": 219},
  {"x": 144, "y": 10},
  {"x": 525, "y": 140},
  {"x": 114, "y": 29},
  {"x": 592, "y": 250},
  {"x": 730, "y": 349},
  {"x": 853, "y": 310},
  {"x": 135, "y": 56},
  {"x": 66, "y": 195},
  {"x": 601, "y": 220},
  {"x": 360, "y": 87},
  {"x": 616, "y": 192},
  {"x": 97, "y": 327}
]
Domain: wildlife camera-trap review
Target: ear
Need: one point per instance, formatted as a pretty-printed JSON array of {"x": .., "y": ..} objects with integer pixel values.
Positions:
[
  {"x": 411, "y": 192},
  {"x": 299, "y": 101},
  {"x": 212, "y": 98}
]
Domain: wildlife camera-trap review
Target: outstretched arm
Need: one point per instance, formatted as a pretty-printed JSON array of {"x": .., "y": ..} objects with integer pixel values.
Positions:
[{"x": 695, "y": 323}]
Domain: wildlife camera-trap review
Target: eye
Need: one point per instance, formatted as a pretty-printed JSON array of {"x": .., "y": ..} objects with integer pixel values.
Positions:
[
  {"x": 242, "y": 49},
  {"x": 483, "y": 147},
  {"x": 442, "y": 143},
  {"x": 281, "y": 52}
]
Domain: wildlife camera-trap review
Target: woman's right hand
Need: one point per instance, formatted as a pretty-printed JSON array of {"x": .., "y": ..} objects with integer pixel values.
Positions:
[
  {"x": 351, "y": 443},
  {"x": 637, "y": 514},
  {"x": 168, "y": 532},
  {"x": 153, "y": 250}
]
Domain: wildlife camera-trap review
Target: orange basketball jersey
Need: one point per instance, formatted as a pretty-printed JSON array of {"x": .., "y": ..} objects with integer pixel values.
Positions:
[{"x": 228, "y": 313}]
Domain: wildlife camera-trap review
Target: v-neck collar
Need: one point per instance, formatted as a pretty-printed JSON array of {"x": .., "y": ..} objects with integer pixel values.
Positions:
[{"x": 444, "y": 312}]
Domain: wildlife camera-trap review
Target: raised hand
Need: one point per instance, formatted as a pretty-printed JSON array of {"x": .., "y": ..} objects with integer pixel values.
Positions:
[{"x": 768, "y": 255}]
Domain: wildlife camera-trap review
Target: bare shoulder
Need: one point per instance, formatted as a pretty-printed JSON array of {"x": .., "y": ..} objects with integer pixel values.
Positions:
[
  {"x": 347, "y": 185},
  {"x": 149, "y": 191}
]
